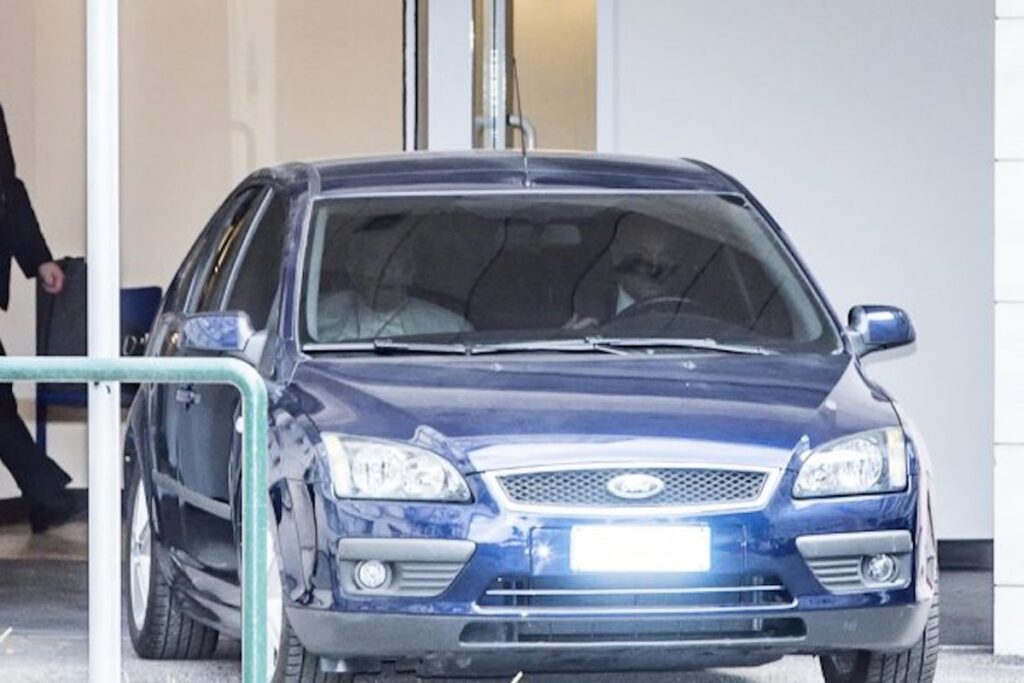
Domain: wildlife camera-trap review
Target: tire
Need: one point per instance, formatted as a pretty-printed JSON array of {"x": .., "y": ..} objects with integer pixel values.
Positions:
[
  {"x": 295, "y": 664},
  {"x": 159, "y": 629},
  {"x": 916, "y": 665},
  {"x": 287, "y": 660}
]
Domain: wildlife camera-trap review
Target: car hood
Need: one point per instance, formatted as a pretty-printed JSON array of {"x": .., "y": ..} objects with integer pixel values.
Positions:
[{"x": 531, "y": 410}]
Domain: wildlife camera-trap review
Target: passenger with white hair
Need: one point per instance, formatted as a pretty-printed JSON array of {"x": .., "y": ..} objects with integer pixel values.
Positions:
[{"x": 381, "y": 266}]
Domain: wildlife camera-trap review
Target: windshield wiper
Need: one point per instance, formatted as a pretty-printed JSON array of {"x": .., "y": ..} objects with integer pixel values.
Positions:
[
  {"x": 707, "y": 344},
  {"x": 552, "y": 345},
  {"x": 615, "y": 345},
  {"x": 389, "y": 346},
  {"x": 385, "y": 346}
]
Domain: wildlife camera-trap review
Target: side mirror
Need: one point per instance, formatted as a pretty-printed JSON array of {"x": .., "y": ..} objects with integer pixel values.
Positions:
[
  {"x": 222, "y": 332},
  {"x": 875, "y": 328}
]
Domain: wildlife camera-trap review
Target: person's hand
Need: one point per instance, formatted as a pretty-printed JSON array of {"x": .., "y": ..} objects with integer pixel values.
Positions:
[
  {"x": 578, "y": 322},
  {"x": 52, "y": 277}
]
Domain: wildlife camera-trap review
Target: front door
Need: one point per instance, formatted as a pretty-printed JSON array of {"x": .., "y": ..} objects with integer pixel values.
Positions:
[
  {"x": 200, "y": 484},
  {"x": 207, "y": 441}
]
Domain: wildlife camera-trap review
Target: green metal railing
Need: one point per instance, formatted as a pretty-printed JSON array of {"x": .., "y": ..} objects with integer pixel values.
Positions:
[{"x": 254, "y": 458}]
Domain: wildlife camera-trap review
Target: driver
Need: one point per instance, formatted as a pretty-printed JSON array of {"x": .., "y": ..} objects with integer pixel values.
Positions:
[
  {"x": 381, "y": 266},
  {"x": 648, "y": 260}
]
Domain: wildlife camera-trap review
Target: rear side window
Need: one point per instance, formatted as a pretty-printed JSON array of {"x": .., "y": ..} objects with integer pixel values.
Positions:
[
  {"x": 177, "y": 292},
  {"x": 259, "y": 271},
  {"x": 226, "y": 248}
]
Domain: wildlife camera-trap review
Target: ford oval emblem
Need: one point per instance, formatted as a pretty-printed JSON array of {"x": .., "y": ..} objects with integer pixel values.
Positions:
[{"x": 635, "y": 486}]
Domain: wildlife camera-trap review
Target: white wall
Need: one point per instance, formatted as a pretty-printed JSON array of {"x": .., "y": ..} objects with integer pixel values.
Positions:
[
  {"x": 1009, "y": 306},
  {"x": 450, "y": 75},
  {"x": 866, "y": 128}
]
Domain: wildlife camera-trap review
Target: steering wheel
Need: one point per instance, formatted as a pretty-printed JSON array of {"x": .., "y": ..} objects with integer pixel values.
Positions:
[{"x": 663, "y": 304}]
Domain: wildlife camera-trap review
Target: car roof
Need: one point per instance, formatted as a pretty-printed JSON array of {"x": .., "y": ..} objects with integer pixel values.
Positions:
[{"x": 415, "y": 172}]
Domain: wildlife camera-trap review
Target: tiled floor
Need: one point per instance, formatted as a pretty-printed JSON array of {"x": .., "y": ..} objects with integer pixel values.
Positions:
[
  {"x": 43, "y": 600},
  {"x": 67, "y": 543}
]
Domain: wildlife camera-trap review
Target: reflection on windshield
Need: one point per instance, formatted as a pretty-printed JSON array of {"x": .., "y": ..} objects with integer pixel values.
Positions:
[
  {"x": 519, "y": 268},
  {"x": 380, "y": 261}
]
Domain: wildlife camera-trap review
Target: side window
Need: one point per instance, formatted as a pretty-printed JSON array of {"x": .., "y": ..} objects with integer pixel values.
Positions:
[
  {"x": 181, "y": 285},
  {"x": 225, "y": 247},
  {"x": 259, "y": 270}
]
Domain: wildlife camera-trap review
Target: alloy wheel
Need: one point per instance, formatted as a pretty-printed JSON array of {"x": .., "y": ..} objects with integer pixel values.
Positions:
[
  {"x": 275, "y": 606},
  {"x": 140, "y": 554}
]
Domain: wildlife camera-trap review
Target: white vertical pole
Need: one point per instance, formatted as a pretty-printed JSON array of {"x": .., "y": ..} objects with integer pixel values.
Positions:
[
  {"x": 607, "y": 75},
  {"x": 494, "y": 82},
  {"x": 450, "y": 73},
  {"x": 103, "y": 254},
  {"x": 409, "y": 75}
]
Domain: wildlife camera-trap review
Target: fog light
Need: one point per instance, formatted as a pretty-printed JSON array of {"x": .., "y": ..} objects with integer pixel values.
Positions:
[
  {"x": 371, "y": 574},
  {"x": 881, "y": 569}
]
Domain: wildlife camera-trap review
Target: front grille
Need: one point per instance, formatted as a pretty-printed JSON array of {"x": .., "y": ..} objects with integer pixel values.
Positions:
[
  {"x": 652, "y": 594},
  {"x": 631, "y": 631},
  {"x": 614, "y": 609},
  {"x": 683, "y": 486}
]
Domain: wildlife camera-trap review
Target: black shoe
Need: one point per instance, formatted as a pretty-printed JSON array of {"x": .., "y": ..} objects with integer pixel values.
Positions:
[{"x": 61, "y": 510}]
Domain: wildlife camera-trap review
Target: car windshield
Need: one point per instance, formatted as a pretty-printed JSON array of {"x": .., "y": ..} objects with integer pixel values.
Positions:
[{"x": 543, "y": 271}]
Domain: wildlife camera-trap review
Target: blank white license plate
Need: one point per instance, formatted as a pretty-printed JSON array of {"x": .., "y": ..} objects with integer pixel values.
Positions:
[{"x": 605, "y": 548}]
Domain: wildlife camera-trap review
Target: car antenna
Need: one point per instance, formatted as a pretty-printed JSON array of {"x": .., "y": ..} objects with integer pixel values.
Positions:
[{"x": 519, "y": 122}]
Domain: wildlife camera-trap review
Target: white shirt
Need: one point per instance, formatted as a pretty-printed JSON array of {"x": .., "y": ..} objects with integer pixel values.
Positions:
[{"x": 343, "y": 316}]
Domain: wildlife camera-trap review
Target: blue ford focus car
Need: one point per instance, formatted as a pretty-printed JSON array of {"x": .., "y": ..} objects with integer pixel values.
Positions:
[{"x": 557, "y": 413}]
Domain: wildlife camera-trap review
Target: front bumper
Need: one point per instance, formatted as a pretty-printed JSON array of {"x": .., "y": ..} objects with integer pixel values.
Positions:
[
  {"x": 437, "y": 644},
  {"x": 454, "y": 628}
]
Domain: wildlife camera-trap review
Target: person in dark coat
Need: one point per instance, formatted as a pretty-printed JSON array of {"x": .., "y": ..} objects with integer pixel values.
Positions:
[{"x": 42, "y": 482}]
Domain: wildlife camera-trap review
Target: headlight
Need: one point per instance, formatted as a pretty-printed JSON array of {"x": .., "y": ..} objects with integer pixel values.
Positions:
[
  {"x": 366, "y": 468},
  {"x": 869, "y": 462}
]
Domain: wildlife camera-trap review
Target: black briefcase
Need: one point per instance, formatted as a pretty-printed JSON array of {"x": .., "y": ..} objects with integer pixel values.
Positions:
[
  {"x": 61, "y": 328},
  {"x": 61, "y": 325},
  {"x": 61, "y": 319}
]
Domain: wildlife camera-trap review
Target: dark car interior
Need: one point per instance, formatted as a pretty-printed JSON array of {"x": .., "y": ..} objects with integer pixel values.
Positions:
[{"x": 536, "y": 268}]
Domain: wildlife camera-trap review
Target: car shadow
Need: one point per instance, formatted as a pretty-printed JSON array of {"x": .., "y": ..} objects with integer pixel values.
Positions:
[
  {"x": 641, "y": 677},
  {"x": 616, "y": 677}
]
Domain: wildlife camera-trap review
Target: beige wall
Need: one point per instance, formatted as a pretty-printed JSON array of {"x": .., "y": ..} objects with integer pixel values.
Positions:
[
  {"x": 555, "y": 49},
  {"x": 339, "y": 80},
  {"x": 210, "y": 90},
  {"x": 174, "y": 136},
  {"x": 42, "y": 81}
]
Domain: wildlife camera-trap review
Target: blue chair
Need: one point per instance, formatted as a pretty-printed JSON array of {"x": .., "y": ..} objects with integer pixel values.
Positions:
[{"x": 138, "y": 309}]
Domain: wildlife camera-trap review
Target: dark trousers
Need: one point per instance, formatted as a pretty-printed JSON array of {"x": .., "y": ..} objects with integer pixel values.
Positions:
[{"x": 40, "y": 479}]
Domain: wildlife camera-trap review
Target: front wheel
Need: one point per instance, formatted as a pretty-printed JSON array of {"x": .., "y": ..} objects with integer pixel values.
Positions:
[
  {"x": 288, "y": 661},
  {"x": 916, "y": 665}
]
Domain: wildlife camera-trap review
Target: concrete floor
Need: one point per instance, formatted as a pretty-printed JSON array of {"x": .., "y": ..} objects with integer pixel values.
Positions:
[{"x": 43, "y": 624}]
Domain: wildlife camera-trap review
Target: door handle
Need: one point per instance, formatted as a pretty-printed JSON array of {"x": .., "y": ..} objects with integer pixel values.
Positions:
[{"x": 186, "y": 395}]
